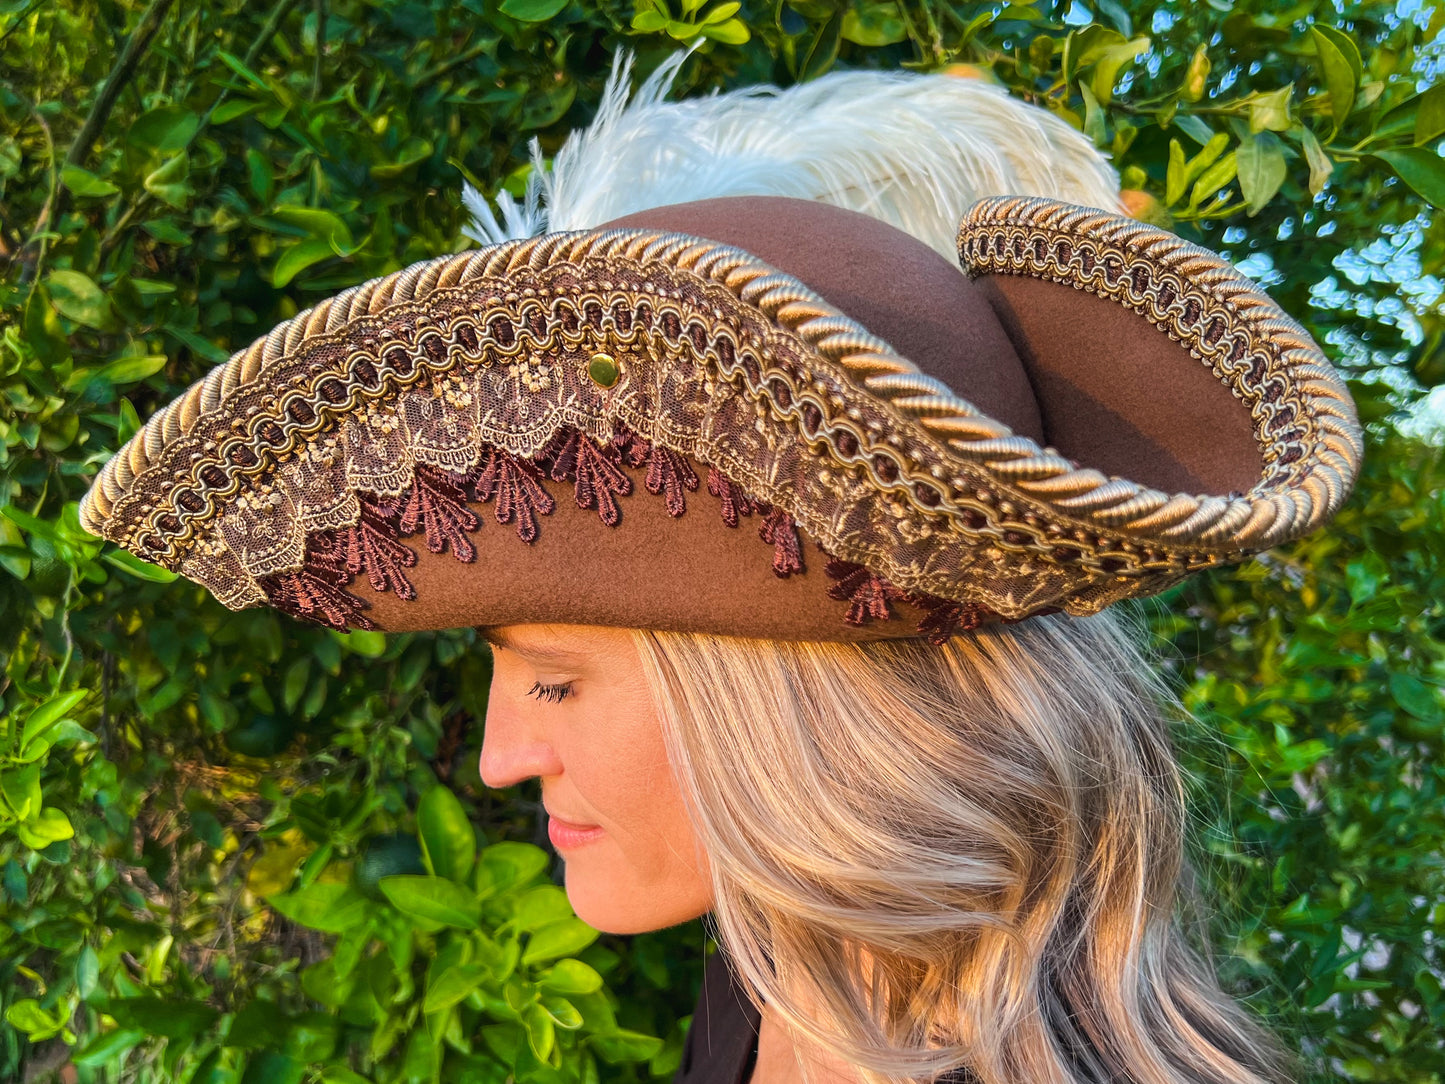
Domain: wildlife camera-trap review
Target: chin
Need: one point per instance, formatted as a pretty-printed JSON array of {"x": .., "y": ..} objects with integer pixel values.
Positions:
[{"x": 612, "y": 907}]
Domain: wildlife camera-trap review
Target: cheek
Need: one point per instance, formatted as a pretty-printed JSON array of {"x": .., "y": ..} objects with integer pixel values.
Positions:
[
  {"x": 647, "y": 872},
  {"x": 622, "y": 772}
]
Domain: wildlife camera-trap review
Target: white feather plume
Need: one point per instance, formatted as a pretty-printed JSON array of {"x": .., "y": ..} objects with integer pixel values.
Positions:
[{"x": 913, "y": 150}]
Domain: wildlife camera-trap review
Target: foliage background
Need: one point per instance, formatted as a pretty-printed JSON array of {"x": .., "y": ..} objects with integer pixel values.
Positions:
[{"x": 212, "y": 825}]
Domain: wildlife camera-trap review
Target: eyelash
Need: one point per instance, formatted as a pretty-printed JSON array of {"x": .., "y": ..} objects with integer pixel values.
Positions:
[{"x": 553, "y": 693}]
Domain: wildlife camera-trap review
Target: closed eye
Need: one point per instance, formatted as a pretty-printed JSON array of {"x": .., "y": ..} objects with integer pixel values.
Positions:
[{"x": 553, "y": 693}]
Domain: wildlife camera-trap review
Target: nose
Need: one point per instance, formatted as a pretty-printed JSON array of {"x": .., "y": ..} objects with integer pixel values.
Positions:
[{"x": 514, "y": 745}]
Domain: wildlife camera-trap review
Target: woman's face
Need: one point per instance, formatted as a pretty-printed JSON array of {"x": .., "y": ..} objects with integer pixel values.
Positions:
[{"x": 570, "y": 705}]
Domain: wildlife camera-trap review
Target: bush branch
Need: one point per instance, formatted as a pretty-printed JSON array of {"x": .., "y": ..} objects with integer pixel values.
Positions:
[{"x": 130, "y": 57}]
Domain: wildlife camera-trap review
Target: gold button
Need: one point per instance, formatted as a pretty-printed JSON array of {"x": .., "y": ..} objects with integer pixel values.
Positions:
[{"x": 603, "y": 370}]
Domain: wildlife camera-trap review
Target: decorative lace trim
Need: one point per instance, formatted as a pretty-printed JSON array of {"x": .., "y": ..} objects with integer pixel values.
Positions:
[{"x": 435, "y": 505}]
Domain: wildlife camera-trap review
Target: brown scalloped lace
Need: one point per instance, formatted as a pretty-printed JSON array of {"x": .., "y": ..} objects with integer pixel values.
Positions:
[{"x": 436, "y": 506}]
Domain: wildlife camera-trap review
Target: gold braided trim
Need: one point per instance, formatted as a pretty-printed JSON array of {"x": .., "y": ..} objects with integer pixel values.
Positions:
[
  {"x": 1304, "y": 419},
  {"x": 728, "y": 360}
]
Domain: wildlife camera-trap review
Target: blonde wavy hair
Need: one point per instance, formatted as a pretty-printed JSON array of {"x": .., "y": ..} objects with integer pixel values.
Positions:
[{"x": 970, "y": 855}]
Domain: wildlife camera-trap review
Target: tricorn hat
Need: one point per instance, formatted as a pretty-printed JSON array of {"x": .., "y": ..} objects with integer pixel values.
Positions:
[{"x": 727, "y": 380}]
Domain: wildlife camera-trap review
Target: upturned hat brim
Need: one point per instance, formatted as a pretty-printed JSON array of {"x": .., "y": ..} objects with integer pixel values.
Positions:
[{"x": 1100, "y": 411}]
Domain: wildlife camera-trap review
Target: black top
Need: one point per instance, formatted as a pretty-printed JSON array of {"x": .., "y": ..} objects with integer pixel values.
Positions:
[{"x": 722, "y": 1041}]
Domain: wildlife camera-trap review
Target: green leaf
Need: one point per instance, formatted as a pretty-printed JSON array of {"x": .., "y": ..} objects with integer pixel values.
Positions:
[
  {"x": 870, "y": 24},
  {"x": 127, "y": 422},
  {"x": 732, "y": 32},
  {"x": 166, "y": 231},
  {"x": 129, "y": 562},
  {"x": 14, "y": 554},
  {"x": 1270, "y": 112},
  {"x": 78, "y": 297},
  {"x": 1176, "y": 179},
  {"x": 423, "y": 1056},
  {"x": 512, "y": 863},
  {"x": 239, "y": 67},
  {"x": 452, "y": 985},
  {"x": 260, "y": 175},
  {"x": 1261, "y": 168},
  {"x": 42, "y": 718},
  {"x": 87, "y": 972},
  {"x": 20, "y": 790},
  {"x": 722, "y": 13},
  {"x": 169, "y": 1017},
  {"x": 15, "y": 882},
  {"x": 817, "y": 55},
  {"x": 563, "y": 1013},
  {"x": 365, "y": 642},
  {"x": 202, "y": 347},
  {"x": 271, "y": 1067},
  {"x": 297, "y": 676},
  {"x": 1213, "y": 179},
  {"x": 1320, "y": 163},
  {"x": 311, "y": 1037},
  {"x": 325, "y": 906},
  {"x": 231, "y": 109},
  {"x": 1195, "y": 128},
  {"x": 623, "y": 1046},
  {"x": 339, "y": 1074},
  {"x": 1094, "y": 123},
  {"x": 107, "y": 1047},
  {"x": 128, "y": 370},
  {"x": 26, "y": 1015},
  {"x": 316, "y": 222},
  {"x": 1430, "y": 117},
  {"x": 532, "y": 11},
  {"x": 541, "y": 1031},
  {"x": 168, "y": 182},
  {"x": 40, "y": 528},
  {"x": 1083, "y": 46},
  {"x": 568, "y": 977},
  {"x": 52, "y": 826},
  {"x": 1196, "y": 77},
  {"x": 414, "y": 151},
  {"x": 448, "y": 843},
  {"x": 433, "y": 899},
  {"x": 540, "y": 907},
  {"x": 1111, "y": 60},
  {"x": 1421, "y": 169},
  {"x": 1416, "y": 697},
  {"x": 564, "y": 938},
  {"x": 503, "y": 1040},
  {"x": 1339, "y": 62},
  {"x": 152, "y": 287},
  {"x": 298, "y": 258},
  {"x": 166, "y": 129},
  {"x": 85, "y": 183}
]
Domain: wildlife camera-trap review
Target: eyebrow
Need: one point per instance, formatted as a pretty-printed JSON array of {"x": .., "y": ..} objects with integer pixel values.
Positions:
[
  {"x": 497, "y": 638},
  {"x": 492, "y": 635}
]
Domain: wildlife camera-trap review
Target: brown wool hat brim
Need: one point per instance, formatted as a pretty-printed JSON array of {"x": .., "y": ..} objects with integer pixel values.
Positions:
[
  {"x": 1063, "y": 367},
  {"x": 880, "y": 446}
]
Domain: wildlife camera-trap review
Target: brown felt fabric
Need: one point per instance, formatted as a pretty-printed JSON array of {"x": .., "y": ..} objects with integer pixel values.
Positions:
[
  {"x": 691, "y": 573},
  {"x": 1119, "y": 395},
  {"x": 890, "y": 282},
  {"x": 1062, "y": 366}
]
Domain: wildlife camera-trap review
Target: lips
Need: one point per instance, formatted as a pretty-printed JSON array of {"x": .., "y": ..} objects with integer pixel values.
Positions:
[{"x": 566, "y": 835}]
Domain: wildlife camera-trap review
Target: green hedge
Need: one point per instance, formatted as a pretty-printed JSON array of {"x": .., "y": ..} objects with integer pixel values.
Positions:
[{"x": 233, "y": 848}]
